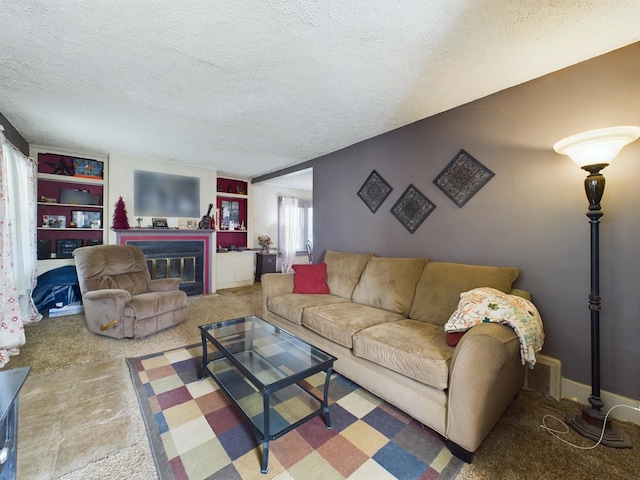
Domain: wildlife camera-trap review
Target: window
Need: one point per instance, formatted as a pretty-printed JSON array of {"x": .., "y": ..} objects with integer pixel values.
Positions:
[{"x": 304, "y": 229}]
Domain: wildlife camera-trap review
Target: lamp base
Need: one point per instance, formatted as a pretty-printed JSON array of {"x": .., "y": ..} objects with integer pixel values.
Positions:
[{"x": 589, "y": 425}]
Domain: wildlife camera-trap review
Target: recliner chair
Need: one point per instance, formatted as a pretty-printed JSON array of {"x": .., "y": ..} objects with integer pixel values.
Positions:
[{"x": 119, "y": 297}]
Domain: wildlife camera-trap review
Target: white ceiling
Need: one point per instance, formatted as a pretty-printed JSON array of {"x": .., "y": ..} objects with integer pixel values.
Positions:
[{"x": 250, "y": 87}]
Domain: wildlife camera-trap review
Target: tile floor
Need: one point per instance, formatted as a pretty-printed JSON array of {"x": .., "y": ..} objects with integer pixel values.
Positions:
[{"x": 71, "y": 417}]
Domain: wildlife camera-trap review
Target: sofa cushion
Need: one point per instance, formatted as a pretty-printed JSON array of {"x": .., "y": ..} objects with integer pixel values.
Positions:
[
  {"x": 416, "y": 349},
  {"x": 344, "y": 270},
  {"x": 310, "y": 278},
  {"x": 339, "y": 322},
  {"x": 439, "y": 288},
  {"x": 291, "y": 305},
  {"x": 389, "y": 283}
]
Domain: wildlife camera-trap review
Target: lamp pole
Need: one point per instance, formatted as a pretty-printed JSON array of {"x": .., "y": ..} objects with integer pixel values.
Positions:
[
  {"x": 593, "y": 151},
  {"x": 591, "y": 422}
]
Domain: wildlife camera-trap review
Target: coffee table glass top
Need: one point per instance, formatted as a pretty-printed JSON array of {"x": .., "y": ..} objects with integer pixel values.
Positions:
[
  {"x": 268, "y": 374},
  {"x": 264, "y": 351}
]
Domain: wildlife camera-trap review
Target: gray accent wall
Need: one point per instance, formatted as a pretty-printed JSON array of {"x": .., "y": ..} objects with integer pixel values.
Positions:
[{"x": 531, "y": 214}]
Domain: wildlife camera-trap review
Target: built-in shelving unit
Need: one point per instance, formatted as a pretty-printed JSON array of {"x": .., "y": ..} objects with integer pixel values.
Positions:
[
  {"x": 231, "y": 212},
  {"x": 71, "y": 199},
  {"x": 233, "y": 268}
]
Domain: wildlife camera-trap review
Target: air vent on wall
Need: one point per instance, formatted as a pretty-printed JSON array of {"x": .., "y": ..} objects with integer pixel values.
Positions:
[{"x": 545, "y": 377}]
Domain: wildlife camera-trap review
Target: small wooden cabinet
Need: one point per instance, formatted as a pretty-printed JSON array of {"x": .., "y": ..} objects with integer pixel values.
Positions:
[{"x": 265, "y": 263}]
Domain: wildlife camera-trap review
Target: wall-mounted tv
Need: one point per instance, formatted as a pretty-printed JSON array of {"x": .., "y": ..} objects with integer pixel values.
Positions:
[{"x": 165, "y": 195}]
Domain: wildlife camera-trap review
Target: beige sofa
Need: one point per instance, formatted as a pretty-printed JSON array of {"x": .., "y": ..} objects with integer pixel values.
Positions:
[{"x": 383, "y": 320}]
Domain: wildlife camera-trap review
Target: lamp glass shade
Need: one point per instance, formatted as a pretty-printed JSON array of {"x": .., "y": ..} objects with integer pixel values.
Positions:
[{"x": 597, "y": 146}]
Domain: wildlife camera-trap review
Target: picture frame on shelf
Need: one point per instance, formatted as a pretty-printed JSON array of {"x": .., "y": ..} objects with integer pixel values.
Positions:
[
  {"x": 84, "y": 219},
  {"x": 54, "y": 221},
  {"x": 230, "y": 214}
]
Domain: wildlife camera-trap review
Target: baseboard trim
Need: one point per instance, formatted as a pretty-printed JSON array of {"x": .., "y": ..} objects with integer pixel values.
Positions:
[{"x": 580, "y": 392}]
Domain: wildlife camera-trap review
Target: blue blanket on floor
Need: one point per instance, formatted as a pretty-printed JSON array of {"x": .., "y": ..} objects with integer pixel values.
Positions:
[{"x": 56, "y": 288}]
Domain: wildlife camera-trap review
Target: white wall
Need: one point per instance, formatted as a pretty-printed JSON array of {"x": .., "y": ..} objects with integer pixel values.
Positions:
[
  {"x": 264, "y": 212},
  {"x": 121, "y": 168}
]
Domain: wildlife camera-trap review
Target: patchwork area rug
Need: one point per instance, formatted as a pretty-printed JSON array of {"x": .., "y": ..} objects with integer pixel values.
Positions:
[{"x": 196, "y": 433}]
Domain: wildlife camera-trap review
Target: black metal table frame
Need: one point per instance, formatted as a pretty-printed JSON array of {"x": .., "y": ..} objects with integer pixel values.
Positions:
[{"x": 266, "y": 391}]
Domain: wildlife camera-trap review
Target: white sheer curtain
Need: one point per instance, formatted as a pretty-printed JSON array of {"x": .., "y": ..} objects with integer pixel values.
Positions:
[
  {"x": 18, "y": 247},
  {"x": 289, "y": 232}
]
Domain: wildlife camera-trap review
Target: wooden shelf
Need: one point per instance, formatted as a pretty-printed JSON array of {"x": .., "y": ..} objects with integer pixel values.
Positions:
[
  {"x": 70, "y": 179},
  {"x": 230, "y": 195},
  {"x": 50, "y": 229},
  {"x": 72, "y": 205}
]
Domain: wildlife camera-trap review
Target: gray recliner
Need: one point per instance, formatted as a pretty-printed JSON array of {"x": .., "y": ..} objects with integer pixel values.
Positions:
[{"x": 119, "y": 297}]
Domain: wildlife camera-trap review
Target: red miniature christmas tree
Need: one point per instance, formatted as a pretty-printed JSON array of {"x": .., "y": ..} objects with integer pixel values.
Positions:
[{"x": 120, "y": 221}]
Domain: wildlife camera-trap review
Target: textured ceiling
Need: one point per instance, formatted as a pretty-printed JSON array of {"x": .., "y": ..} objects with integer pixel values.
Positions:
[{"x": 250, "y": 87}]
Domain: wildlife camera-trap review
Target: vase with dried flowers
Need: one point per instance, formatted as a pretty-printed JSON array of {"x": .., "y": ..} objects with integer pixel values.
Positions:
[{"x": 265, "y": 242}]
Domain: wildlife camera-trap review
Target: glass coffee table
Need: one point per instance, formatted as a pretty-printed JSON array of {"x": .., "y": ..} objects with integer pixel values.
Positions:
[{"x": 260, "y": 368}]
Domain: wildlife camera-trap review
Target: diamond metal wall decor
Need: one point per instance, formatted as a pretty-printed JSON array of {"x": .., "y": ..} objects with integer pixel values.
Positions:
[
  {"x": 462, "y": 178},
  {"x": 412, "y": 208},
  {"x": 374, "y": 191}
]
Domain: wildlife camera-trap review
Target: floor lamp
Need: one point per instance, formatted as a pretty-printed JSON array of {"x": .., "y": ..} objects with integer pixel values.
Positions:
[{"x": 593, "y": 151}]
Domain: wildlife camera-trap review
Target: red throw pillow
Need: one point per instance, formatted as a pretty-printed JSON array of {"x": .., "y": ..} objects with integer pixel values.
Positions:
[
  {"x": 310, "y": 278},
  {"x": 454, "y": 337}
]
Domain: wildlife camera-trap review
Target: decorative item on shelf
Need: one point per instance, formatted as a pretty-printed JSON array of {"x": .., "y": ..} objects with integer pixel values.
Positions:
[
  {"x": 120, "y": 221},
  {"x": 592, "y": 151},
  {"x": 240, "y": 190},
  {"x": 83, "y": 167},
  {"x": 61, "y": 168},
  {"x": 159, "y": 222},
  {"x": 205, "y": 223},
  {"x": 74, "y": 196},
  {"x": 412, "y": 208},
  {"x": 230, "y": 214},
  {"x": 54, "y": 221},
  {"x": 374, "y": 191},
  {"x": 187, "y": 224},
  {"x": 139, "y": 221},
  {"x": 73, "y": 224},
  {"x": 86, "y": 219},
  {"x": 44, "y": 199},
  {"x": 65, "y": 247},
  {"x": 265, "y": 242},
  {"x": 462, "y": 178}
]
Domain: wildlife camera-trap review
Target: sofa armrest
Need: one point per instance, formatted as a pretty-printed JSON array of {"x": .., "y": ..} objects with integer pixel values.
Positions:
[
  {"x": 164, "y": 284},
  {"x": 104, "y": 311},
  {"x": 274, "y": 284},
  {"x": 107, "y": 293},
  {"x": 485, "y": 375}
]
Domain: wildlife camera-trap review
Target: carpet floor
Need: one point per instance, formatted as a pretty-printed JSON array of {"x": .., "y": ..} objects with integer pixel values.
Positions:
[
  {"x": 196, "y": 433},
  {"x": 517, "y": 448}
]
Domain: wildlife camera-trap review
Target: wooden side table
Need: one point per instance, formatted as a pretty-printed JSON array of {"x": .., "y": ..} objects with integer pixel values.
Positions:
[{"x": 265, "y": 263}]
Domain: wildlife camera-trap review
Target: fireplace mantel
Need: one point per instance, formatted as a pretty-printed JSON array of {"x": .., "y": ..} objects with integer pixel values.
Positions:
[{"x": 208, "y": 237}]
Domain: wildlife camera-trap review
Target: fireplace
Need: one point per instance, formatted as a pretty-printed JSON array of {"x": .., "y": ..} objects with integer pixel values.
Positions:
[
  {"x": 175, "y": 259},
  {"x": 176, "y": 253}
]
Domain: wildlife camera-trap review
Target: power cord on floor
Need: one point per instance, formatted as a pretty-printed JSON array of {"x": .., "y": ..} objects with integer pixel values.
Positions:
[{"x": 557, "y": 433}]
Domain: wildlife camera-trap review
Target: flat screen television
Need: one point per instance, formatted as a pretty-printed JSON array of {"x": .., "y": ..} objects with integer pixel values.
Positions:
[{"x": 165, "y": 195}]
